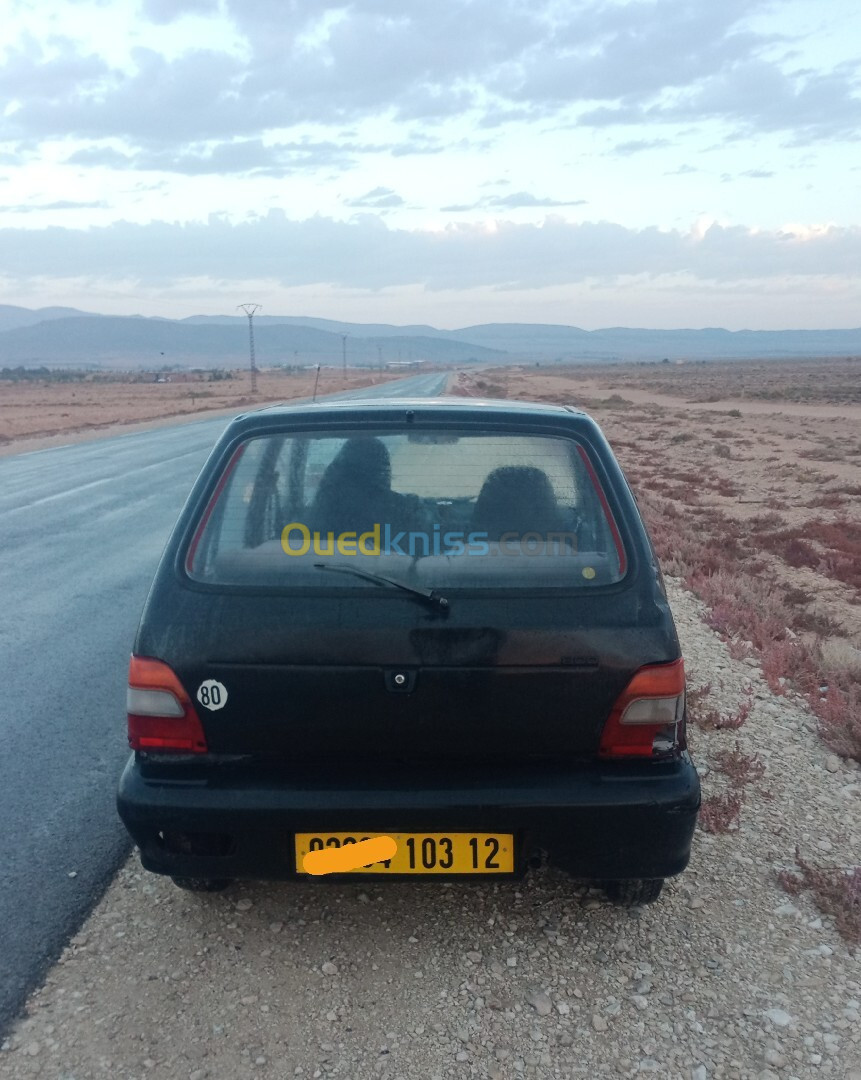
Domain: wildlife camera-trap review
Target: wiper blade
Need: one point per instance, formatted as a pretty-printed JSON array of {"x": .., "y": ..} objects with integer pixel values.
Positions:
[{"x": 430, "y": 595}]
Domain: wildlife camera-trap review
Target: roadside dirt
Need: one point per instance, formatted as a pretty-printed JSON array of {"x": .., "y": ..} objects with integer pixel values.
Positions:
[{"x": 34, "y": 415}]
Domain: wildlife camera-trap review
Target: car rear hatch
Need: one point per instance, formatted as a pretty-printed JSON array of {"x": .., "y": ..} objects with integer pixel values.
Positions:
[{"x": 530, "y": 601}]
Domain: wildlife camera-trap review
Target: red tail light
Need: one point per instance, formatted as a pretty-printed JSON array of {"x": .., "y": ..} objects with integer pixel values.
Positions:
[
  {"x": 161, "y": 715},
  {"x": 646, "y": 720}
]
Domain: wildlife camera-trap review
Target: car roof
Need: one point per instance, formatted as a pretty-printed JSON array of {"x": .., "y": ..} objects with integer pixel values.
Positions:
[{"x": 381, "y": 408}]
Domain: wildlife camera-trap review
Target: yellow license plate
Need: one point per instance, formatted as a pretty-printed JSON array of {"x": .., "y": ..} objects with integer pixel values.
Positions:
[{"x": 422, "y": 853}]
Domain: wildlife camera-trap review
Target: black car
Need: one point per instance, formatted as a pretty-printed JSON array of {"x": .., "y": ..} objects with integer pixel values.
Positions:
[{"x": 436, "y": 621}]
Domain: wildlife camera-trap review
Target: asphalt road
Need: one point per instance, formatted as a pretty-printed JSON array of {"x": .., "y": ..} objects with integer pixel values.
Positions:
[{"x": 81, "y": 531}]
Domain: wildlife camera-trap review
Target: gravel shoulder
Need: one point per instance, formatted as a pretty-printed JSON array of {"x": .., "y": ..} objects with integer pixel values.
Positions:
[{"x": 727, "y": 976}]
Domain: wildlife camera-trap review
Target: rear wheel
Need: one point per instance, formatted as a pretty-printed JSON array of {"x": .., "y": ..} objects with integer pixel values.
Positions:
[
  {"x": 631, "y": 892},
  {"x": 201, "y": 884}
]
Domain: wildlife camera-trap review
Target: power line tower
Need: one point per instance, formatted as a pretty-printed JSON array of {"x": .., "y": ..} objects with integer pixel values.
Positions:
[
  {"x": 344, "y": 351},
  {"x": 251, "y": 310}
]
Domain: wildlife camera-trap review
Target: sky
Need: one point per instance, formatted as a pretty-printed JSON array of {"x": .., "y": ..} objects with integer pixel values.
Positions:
[{"x": 655, "y": 163}]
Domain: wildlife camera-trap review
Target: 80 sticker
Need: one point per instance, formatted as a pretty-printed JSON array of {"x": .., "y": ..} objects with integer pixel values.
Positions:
[{"x": 212, "y": 694}]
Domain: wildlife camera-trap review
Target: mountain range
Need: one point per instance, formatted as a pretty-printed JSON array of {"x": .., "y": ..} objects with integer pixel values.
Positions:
[{"x": 67, "y": 337}]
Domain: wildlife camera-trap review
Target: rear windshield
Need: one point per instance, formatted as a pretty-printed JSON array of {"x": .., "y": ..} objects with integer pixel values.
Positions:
[{"x": 433, "y": 510}]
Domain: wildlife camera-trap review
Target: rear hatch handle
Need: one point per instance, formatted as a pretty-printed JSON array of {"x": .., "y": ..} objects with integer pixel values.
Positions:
[{"x": 430, "y": 596}]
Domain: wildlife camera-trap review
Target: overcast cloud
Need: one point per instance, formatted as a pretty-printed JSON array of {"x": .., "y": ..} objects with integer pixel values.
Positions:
[
  {"x": 160, "y": 140},
  {"x": 321, "y": 250}
]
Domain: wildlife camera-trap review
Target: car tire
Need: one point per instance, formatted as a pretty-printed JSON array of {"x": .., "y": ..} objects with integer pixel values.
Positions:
[
  {"x": 201, "y": 884},
  {"x": 631, "y": 892}
]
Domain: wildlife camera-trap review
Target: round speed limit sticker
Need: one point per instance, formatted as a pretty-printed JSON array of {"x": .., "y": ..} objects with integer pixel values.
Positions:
[{"x": 212, "y": 694}]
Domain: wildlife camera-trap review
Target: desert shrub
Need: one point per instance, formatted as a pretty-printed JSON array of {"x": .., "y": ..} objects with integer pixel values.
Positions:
[
  {"x": 765, "y": 521},
  {"x": 741, "y": 768},
  {"x": 721, "y": 813},
  {"x": 824, "y": 454},
  {"x": 695, "y": 698},
  {"x": 839, "y": 712},
  {"x": 813, "y": 620},
  {"x": 840, "y": 657},
  {"x": 796, "y": 597},
  {"x": 827, "y": 500},
  {"x": 841, "y": 540},
  {"x": 725, "y": 486},
  {"x": 789, "y": 546},
  {"x": 836, "y": 891},
  {"x": 714, "y": 720}
]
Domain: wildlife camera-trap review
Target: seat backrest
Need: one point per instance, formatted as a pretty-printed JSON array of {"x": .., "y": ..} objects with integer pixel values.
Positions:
[
  {"x": 516, "y": 499},
  {"x": 355, "y": 490}
]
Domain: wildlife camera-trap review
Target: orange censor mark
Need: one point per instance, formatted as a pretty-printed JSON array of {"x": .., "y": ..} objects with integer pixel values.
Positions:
[{"x": 350, "y": 856}]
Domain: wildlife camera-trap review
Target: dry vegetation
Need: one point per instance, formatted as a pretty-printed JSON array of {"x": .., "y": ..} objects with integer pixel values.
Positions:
[
  {"x": 828, "y": 382},
  {"x": 749, "y": 476},
  {"x": 836, "y": 890},
  {"x": 57, "y": 403}
]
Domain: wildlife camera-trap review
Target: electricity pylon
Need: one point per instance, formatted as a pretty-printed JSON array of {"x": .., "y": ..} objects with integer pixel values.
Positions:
[{"x": 250, "y": 310}]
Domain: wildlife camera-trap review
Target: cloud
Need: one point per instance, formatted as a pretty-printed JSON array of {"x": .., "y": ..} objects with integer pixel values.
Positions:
[
  {"x": 493, "y": 62},
  {"x": 380, "y": 198},
  {"x": 637, "y": 50},
  {"x": 60, "y": 204},
  {"x": 754, "y": 96},
  {"x": 748, "y": 174},
  {"x": 637, "y": 146},
  {"x": 515, "y": 201},
  {"x": 468, "y": 255},
  {"x": 166, "y": 11},
  {"x": 101, "y": 157},
  {"x": 32, "y": 73},
  {"x": 241, "y": 156},
  {"x": 520, "y": 199}
]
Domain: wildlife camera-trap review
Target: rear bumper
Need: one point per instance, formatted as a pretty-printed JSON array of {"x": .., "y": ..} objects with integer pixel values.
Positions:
[{"x": 603, "y": 821}]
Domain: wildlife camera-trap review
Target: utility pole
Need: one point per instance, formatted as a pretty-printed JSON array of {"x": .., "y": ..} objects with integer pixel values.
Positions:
[
  {"x": 344, "y": 351},
  {"x": 251, "y": 310}
]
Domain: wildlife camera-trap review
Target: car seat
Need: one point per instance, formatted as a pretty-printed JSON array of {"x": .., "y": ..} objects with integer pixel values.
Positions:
[
  {"x": 516, "y": 499},
  {"x": 355, "y": 490}
]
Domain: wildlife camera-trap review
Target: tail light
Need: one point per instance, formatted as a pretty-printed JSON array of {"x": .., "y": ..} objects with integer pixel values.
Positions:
[
  {"x": 648, "y": 717},
  {"x": 161, "y": 716}
]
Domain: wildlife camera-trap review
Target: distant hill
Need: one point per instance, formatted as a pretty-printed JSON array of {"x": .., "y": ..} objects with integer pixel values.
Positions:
[
  {"x": 542, "y": 341},
  {"x": 57, "y": 336},
  {"x": 107, "y": 341},
  {"x": 362, "y": 330},
  {"x": 12, "y": 317}
]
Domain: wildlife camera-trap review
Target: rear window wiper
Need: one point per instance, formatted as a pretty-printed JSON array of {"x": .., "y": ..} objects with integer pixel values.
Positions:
[{"x": 429, "y": 595}]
